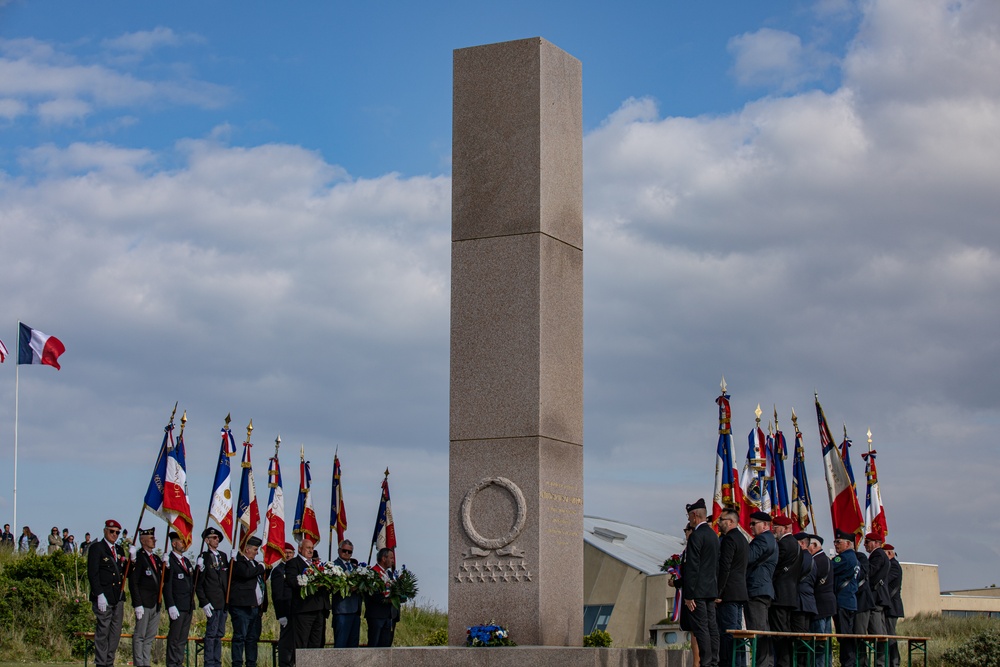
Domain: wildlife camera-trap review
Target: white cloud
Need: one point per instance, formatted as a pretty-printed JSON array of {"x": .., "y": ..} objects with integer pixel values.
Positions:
[
  {"x": 11, "y": 108},
  {"x": 776, "y": 59},
  {"x": 144, "y": 40}
]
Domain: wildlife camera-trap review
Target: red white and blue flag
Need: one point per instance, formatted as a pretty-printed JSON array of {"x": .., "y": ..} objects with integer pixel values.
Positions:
[
  {"x": 305, "y": 516},
  {"x": 35, "y": 347},
  {"x": 755, "y": 494},
  {"x": 3, "y": 352},
  {"x": 221, "y": 508},
  {"x": 727, "y": 488},
  {"x": 247, "y": 511},
  {"x": 801, "y": 509},
  {"x": 844, "y": 508},
  {"x": 874, "y": 510},
  {"x": 385, "y": 532},
  {"x": 338, "y": 513},
  {"x": 274, "y": 518},
  {"x": 778, "y": 454},
  {"x": 166, "y": 495}
]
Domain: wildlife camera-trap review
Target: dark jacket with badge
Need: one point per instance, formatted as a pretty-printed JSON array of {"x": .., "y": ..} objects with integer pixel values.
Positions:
[
  {"x": 866, "y": 601},
  {"x": 144, "y": 579},
  {"x": 826, "y": 596},
  {"x": 787, "y": 572},
  {"x": 762, "y": 556},
  {"x": 213, "y": 580},
  {"x": 878, "y": 577},
  {"x": 895, "y": 586},
  {"x": 733, "y": 567},
  {"x": 105, "y": 571},
  {"x": 807, "y": 585},
  {"x": 845, "y": 579},
  {"x": 701, "y": 568},
  {"x": 247, "y": 575},
  {"x": 178, "y": 583}
]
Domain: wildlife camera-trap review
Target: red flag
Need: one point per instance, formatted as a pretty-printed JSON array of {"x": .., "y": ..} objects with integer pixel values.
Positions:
[
  {"x": 274, "y": 533},
  {"x": 844, "y": 508}
]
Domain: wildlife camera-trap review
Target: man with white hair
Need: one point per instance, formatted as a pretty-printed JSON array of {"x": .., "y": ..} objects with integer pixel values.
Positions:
[
  {"x": 700, "y": 583},
  {"x": 308, "y": 614}
]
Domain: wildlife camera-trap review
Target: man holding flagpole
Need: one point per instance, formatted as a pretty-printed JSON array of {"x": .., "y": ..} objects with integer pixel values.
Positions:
[
  {"x": 144, "y": 586},
  {"x": 213, "y": 581},
  {"x": 105, "y": 572}
]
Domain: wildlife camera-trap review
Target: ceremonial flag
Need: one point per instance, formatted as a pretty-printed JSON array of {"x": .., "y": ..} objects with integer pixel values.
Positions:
[
  {"x": 338, "y": 513},
  {"x": 844, "y": 508},
  {"x": 727, "y": 489},
  {"x": 274, "y": 518},
  {"x": 247, "y": 512},
  {"x": 221, "y": 509},
  {"x": 3, "y": 352},
  {"x": 779, "y": 498},
  {"x": 35, "y": 347},
  {"x": 845, "y": 455},
  {"x": 175, "y": 499},
  {"x": 154, "y": 492},
  {"x": 305, "y": 517},
  {"x": 874, "y": 511},
  {"x": 801, "y": 509},
  {"x": 385, "y": 531},
  {"x": 755, "y": 495}
]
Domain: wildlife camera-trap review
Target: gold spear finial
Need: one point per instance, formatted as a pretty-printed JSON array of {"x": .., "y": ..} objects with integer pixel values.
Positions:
[
  {"x": 845, "y": 430},
  {"x": 174, "y": 412},
  {"x": 184, "y": 418},
  {"x": 758, "y": 412},
  {"x": 249, "y": 429},
  {"x": 387, "y": 472},
  {"x": 229, "y": 418},
  {"x": 795, "y": 420},
  {"x": 723, "y": 384},
  {"x": 770, "y": 428},
  {"x": 869, "y": 439},
  {"x": 776, "y": 427},
  {"x": 277, "y": 443}
]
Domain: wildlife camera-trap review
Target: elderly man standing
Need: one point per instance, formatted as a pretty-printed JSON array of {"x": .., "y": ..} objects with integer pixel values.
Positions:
[
  {"x": 846, "y": 571},
  {"x": 144, "y": 576},
  {"x": 281, "y": 597},
  {"x": 895, "y": 610},
  {"x": 106, "y": 571},
  {"x": 246, "y": 595},
  {"x": 762, "y": 557},
  {"x": 212, "y": 584},
  {"x": 786, "y": 587},
  {"x": 700, "y": 583},
  {"x": 308, "y": 614},
  {"x": 732, "y": 584}
]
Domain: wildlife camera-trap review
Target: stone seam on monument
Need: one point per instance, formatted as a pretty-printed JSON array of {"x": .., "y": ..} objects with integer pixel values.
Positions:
[{"x": 516, "y": 425}]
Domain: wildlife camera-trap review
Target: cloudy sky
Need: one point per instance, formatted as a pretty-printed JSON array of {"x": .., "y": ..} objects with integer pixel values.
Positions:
[{"x": 245, "y": 207}]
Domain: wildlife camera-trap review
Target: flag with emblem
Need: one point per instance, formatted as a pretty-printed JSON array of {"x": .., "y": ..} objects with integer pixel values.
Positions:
[
  {"x": 752, "y": 482},
  {"x": 157, "y": 483},
  {"x": 274, "y": 518},
  {"x": 175, "y": 498},
  {"x": 385, "y": 530},
  {"x": 874, "y": 510},
  {"x": 305, "y": 516},
  {"x": 247, "y": 511},
  {"x": 338, "y": 513},
  {"x": 779, "y": 454},
  {"x": 844, "y": 508},
  {"x": 801, "y": 509},
  {"x": 221, "y": 508},
  {"x": 728, "y": 492}
]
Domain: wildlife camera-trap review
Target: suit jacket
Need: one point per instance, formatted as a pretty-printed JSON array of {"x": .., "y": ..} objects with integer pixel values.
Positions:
[
  {"x": 352, "y": 603},
  {"x": 866, "y": 601},
  {"x": 895, "y": 585},
  {"x": 380, "y": 606},
  {"x": 247, "y": 575},
  {"x": 878, "y": 578},
  {"x": 106, "y": 570},
  {"x": 826, "y": 596},
  {"x": 762, "y": 556},
  {"x": 733, "y": 567},
  {"x": 281, "y": 595},
  {"x": 144, "y": 579},
  {"x": 318, "y": 601},
  {"x": 807, "y": 585},
  {"x": 213, "y": 580},
  {"x": 178, "y": 584},
  {"x": 701, "y": 569},
  {"x": 787, "y": 572}
]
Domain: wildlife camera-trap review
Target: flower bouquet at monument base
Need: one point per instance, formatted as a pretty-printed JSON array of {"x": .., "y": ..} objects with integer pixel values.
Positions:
[
  {"x": 323, "y": 576},
  {"x": 366, "y": 581},
  {"x": 403, "y": 587},
  {"x": 490, "y": 634}
]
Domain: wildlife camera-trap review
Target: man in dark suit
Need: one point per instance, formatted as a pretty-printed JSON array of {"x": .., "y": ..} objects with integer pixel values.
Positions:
[
  {"x": 105, "y": 571},
  {"x": 762, "y": 556},
  {"x": 346, "y": 610},
  {"x": 308, "y": 614},
  {"x": 878, "y": 577},
  {"x": 380, "y": 613},
  {"x": 732, "y": 584},
  {"x": 700, "y": 584},
  {"x": 145, "y": 572},
  {"x": 786, "y": 587},
  {"x": 246, "y": 595},
  {"x": 178, "y": 597},
  {"x": 281, "y": 599},
  {"x": 213, "y": 582},
  {"x": 895, "y": 610},
  {"x": 802, "y": 617},
  {"x": 826, "y": 596},
  {"x": 846, "y": 574}
]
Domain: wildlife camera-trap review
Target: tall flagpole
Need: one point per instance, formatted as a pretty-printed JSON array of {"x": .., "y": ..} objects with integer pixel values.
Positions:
[
  {"x": 333, "y": 499},
  {"x": 17, "y": 366}
]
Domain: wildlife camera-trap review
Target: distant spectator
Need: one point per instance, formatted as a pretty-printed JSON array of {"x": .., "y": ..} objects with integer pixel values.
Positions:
[
  {"x": 65, "y": 538},
  {"x": 7, "y": 538},
  {"x": 69, "y": 544},
  {"x": 28, "y": 541},
  {"x": 55, "y": 541},
  {"x": 85, "y": 545}
]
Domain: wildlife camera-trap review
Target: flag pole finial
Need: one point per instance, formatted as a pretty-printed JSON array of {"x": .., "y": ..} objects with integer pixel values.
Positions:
[
  {"x": 723, "y": 384},
  {"x": 869, "y": 439},
  {"x": 776, "y": 427},
  {"x": 387, "y": 472},
  {"x": 758, "y": 412},
  {"x": 845, "y": 430},
  {"x": 249, "y": 429},
  {"x": 229, "y": 418},
  {"x": 174, "y": 412},
  {"x": 302, "y": 452},
  {"x": 795, "y": 420},
  {"x": 277, "y": 443},
  {"x": 184, "y": 419}
]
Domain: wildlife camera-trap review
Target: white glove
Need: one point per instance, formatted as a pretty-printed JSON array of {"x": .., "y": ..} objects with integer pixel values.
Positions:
[
  {"x": 208, "y": 610},
  {"x": 132, "y": 551},
  {"x": 173, "y": 613},
  {"x": 166, "y": 563},
  {"x": 201, "y": 563},
  {"x": 234, "y": 553},
  {"x": 282, "y": 621},
  {"x": 102, "y": 603},
  {"x": 138, "y": 613}
]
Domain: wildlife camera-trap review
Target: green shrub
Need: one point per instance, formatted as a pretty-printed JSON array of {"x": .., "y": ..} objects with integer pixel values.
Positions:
[
  {"x": 981, "y": 650},
  {"x": 438, "y": 638},
  {"x": 598, "y": 638}
]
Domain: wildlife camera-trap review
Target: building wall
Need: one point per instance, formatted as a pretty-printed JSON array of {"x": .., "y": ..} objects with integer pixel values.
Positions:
[
  {"x": 921, "y": 589},
  {"x": 610, "y": 581}
]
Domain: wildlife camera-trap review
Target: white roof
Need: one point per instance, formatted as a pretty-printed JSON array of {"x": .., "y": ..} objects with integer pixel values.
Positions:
[{"x": 641, "y": 548}]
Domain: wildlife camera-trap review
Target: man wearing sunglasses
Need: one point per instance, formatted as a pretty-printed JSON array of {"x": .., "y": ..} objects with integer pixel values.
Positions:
[
  {"x": 346, "y": 611},
  {"x": 105, "y": 570}
]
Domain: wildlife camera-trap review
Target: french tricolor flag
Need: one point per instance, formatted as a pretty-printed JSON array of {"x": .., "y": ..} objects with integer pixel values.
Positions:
[{"x": 35, "y": 347}]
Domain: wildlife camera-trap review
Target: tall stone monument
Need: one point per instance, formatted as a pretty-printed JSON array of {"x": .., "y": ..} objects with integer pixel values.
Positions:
[{"x": 516, "y": 478}]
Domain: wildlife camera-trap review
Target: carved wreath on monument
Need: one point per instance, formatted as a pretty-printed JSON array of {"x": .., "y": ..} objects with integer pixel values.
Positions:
[{"x": 503, "y": 546}]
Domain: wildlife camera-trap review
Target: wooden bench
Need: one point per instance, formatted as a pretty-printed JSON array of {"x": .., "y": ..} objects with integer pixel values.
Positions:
[
  {"x": 806, "y": 646},
  {"x": 199, "y": 647}
]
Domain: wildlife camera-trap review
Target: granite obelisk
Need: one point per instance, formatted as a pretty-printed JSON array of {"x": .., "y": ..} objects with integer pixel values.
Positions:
[{"x": 516, "y": 428}]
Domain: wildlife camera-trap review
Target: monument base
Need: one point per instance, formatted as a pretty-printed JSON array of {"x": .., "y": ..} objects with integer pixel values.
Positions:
[{"x": 513, "y": 656}]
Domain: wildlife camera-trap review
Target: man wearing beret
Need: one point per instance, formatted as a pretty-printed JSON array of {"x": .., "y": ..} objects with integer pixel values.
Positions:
[
  {"x": 878, "y": 577},
  {"x": 178, "y": 597},
  {"x": 144, "y": 576},
  {"x": 895, "y": 610},
  {"x": 700, "y": 583},
  {"x": 213, "y": 582},
  {"x": 845, "y": 583},
  {"x": 786, "y": 587},
  {"x": 246, "y": 595},
  {"x": 803, "y": 616},
  {"x": 106, "y": 571},
  {"x": 762, "y": 556},
  {"x": 281, "y": 599}
]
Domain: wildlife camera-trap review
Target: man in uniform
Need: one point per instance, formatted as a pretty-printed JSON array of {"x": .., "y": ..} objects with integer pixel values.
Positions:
[
  {"x": 380, "y": 613},
  {"x": 732, "y": 584},
  {"x": 762, "y": 556},
  {"x": 878, "y": 577},
  {"x": 895, "y": 610},
  {"x": 803, "y": 616},
  {"x": 786, "y": 588},
  {"x": 106, "y": 571},
  {"x": 281, "y": 598},
  {"x": 308, "y": 614},
  {"x": 346, "y": 611},
  {"x": 145, "y": 572},
  {"x": 246, "y": 595},
  {"x": 845, "y": 583},
  {"x": 826, "y": 597},
  {"x": 178, "y": 596},
  {"x": 213, "y": 581},
  {"x": 700, "y": 584}
]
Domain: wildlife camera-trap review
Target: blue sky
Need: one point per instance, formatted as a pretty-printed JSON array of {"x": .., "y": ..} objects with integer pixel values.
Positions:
[{"x": 246, "y": 208}]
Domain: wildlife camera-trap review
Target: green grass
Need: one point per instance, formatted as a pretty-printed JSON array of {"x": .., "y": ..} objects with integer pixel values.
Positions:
[{"x": 945, "y": 632}]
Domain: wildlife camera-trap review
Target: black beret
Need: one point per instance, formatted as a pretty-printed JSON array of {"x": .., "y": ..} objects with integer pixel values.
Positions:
[
  {"x": 210, "y": 531},
  {"x": 147, "y": 531},
  {"x": 696, "y": 505},
  {"x": 761, "y": 516},
  {"x": 818, "y": 539},
  {"x": 843, "y": 535},
  {"x": 802, "y": 535},
  {"x": 254, "y": 541}
]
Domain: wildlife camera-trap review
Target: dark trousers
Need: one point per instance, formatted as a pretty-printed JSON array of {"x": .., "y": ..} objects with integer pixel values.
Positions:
[
  {"x": 729, "y": 616},
  {"x": 757, "y": 620},
  {"x": 346, "y": 630},
  {"x": 177, "y": 639},
  {"x": 310, "y": 629},
  {"x": 890, "y": 621},
  {"x": 246, "y": 632},
  {"x": 107, "y": 634},
  {"x": 843, "y": 622},
  {"x": 780, "y": 620},
  {"x": 705, "y": 630},
  {"x": 380, "y": 632},
  {"x": 877, "y": 626},
  {"x": 824, "y": 626},
  {"x": 286, "y": 645},
  {"x": 215, "y": 629}
]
